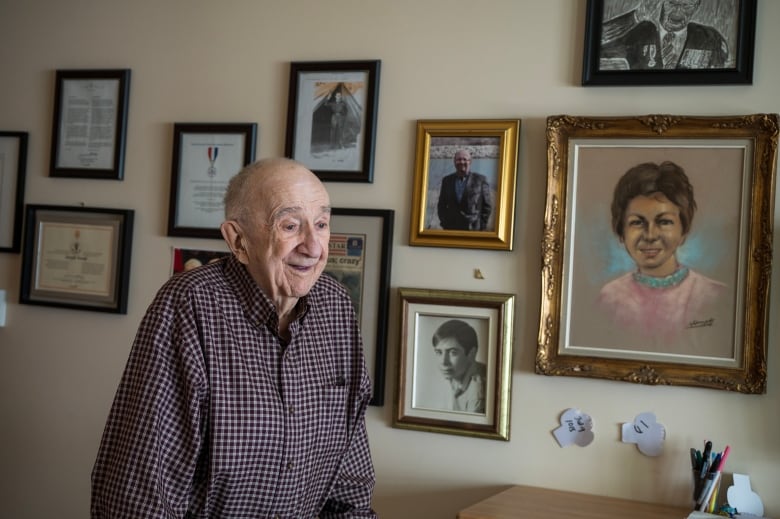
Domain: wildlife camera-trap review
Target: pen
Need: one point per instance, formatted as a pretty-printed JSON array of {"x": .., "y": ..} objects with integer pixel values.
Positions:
[
  {"x": 706, "y": 489},
  {"x": 705, "y": 458},
  {"x": 715, "y": 467},
  {"x": 723, "y": 457},
  {"x": 708, "y": 492},
  {"x": 713, "y": 479},
  {"x": 694, "y": 462}
]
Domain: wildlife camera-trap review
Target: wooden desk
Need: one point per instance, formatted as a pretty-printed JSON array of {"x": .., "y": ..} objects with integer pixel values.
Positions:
[{"x": 541, "y": 503}]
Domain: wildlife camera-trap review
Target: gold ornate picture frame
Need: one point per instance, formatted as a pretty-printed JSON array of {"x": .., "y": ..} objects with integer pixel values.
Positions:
[
  {"x": 483, "y": 217},
  {"x": 455, "y": 362},
  {"x": 597, "y": 318}
]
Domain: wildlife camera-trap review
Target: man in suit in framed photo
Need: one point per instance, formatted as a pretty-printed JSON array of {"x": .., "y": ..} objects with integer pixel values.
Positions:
[{"x": 465, "y": 199}]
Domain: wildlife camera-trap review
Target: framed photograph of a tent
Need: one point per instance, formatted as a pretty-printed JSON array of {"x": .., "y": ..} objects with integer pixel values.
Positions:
[{"x": 331, "y": 118}]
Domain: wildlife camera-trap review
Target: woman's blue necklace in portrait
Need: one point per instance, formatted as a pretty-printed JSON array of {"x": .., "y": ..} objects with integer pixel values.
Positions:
[{"x": 667, "y": 281}]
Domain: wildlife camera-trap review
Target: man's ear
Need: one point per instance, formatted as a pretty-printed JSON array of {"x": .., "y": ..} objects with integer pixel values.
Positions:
[{"x": 234, "y": 237}]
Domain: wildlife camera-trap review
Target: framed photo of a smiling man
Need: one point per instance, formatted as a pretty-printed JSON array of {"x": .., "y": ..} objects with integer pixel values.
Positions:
[{"x": 657, "y": 249}]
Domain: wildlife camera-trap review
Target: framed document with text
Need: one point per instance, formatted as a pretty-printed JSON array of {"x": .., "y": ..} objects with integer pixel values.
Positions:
[
  {"x": 77, "y": 257},
  {"x": 90, "y": 124},
  {"x": 205, "y": 157}
]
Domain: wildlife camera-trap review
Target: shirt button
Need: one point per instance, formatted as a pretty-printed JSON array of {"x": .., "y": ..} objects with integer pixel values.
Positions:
[
  {"x": 292, "y": 410},
  {"x": 290, "y": 465}
]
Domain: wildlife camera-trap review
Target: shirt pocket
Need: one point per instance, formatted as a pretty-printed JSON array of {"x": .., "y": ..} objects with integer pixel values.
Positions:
[{"x": 332, "y": 419}]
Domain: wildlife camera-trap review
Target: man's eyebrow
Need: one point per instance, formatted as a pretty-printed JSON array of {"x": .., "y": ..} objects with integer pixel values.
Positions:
[
  {"x": 281, "y": 213},
  {"x": 285, "y": 211}
]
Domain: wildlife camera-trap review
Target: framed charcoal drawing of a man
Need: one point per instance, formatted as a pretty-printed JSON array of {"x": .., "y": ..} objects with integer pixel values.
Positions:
[{"x": 669, "y": 42}]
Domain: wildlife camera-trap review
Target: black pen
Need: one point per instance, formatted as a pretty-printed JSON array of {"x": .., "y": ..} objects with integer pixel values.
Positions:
[{"x": 705, "y": 457}]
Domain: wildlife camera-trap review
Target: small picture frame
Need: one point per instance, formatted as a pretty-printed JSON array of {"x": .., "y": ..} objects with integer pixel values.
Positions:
[
  {"x": 360, "y": 258},
  {"x": 664, "y": 42},
  {"x": 480, "y": 155},
  {"x": 331, "y": 118},
  {"x": 656, "y": 258},
  {"x": 13, "y": 166},
  {"x": 89, "y": 129},
  {"x": 77, "y": 257},
  {"x": 455, "y": 362},
  {"x": 205, "y": 157}
]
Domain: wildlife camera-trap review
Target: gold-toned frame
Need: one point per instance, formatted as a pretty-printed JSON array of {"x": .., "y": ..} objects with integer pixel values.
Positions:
[
  {"x": 421, "y": 306},
  {"x": 503, "y": 131},
  {"x": 760, "y": 132}
]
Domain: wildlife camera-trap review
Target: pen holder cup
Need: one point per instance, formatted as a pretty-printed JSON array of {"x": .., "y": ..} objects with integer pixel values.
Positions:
[{"x": 705, "y": 491}]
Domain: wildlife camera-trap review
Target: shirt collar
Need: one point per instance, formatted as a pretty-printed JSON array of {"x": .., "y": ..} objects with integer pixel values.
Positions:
[
  {"x": 679, "y": 36},
  {"x": 258, "y": 308}
]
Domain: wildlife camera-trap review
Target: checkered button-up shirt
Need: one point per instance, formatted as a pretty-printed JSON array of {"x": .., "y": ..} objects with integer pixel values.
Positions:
[{"x": 216, "y": 417}]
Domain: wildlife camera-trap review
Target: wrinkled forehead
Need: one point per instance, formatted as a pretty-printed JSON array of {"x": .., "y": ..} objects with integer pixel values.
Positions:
[{"x": 292, "y": 190}]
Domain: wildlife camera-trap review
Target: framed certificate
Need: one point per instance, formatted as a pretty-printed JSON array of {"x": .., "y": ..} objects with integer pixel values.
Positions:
[
  {"x": 13, "y": 164},
  {"x": 90, "y": 124},
  {"x": 205, "y": 157},
  {"x": 77, "y": 257}
]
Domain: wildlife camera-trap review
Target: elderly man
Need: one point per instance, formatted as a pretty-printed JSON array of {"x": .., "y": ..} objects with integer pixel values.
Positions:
[
  {"x": 246, "y": 388},
  {"x": 669, "y": 41}
]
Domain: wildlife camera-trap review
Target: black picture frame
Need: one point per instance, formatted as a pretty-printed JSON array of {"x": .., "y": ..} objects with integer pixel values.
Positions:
[
  {"x": 345, "y": 154},
  {"x": 89, "y": 128},
  {"x": 13, "y": 167},
  {"x": 77, "y": 257},
  {"x": 737, "y": 70},
  {"x": 376, "y": 226},
  {"x": 200, "y": 174}
]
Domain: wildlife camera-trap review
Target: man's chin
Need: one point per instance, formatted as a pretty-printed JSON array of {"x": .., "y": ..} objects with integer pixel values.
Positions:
[{"x": 301, "y": 289}]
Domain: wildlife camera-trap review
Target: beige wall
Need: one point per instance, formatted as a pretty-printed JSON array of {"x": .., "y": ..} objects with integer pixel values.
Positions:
[{"x": 227, "y": 61}]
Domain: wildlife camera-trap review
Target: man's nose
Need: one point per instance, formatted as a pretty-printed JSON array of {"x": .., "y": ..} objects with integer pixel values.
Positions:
[{"x": 310, "y": 241}]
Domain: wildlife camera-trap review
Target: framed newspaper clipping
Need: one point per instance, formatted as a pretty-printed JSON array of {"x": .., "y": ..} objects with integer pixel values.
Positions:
[{"x": 361, "y": 246}]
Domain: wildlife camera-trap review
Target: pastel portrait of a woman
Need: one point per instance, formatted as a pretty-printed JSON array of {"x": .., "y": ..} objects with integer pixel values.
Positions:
[{"x": 662, "y": 303}]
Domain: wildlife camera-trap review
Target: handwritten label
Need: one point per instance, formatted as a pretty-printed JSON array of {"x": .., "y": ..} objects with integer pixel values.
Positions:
[
  {"x": 647, "y": 433},
  {"x": 576, "y": 428}
]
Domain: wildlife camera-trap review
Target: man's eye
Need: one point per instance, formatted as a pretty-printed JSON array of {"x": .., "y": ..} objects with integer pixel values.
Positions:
[{"x": 322, "y": 225}]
